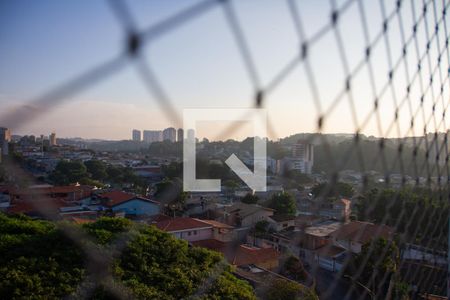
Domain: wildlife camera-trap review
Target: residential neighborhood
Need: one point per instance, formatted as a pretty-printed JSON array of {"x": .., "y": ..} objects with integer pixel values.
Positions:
[{"x": 256, "y": 232}]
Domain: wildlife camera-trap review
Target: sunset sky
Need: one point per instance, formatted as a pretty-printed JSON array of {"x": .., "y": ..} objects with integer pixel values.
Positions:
[{"x": 45, "y": 43}]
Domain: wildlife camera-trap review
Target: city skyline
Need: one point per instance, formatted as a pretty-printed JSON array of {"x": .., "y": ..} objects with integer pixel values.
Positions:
[{"x": 121, "y": 102}]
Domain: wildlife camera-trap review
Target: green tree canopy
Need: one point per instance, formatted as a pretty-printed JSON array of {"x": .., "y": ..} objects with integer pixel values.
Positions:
[
  {"x": 293, "y": 268},
  {"x": 38, "y": 261},
  {"x": 380, "y": 259},
  {"x": 262, "y": 228},
  {"x": 67, "y": 172},
  {"x": 404, "y": 208},
  {"x": 283, "y": 203},
  {"x": 281, "y": 289},
  {"x": 97, "y": 169}
]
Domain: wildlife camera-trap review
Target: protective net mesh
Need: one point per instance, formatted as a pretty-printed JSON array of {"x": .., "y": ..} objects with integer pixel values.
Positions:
[{"x": 399, "y": 65}]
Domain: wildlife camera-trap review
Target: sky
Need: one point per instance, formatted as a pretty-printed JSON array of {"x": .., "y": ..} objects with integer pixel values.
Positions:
[{"x": 44, "y": 44}]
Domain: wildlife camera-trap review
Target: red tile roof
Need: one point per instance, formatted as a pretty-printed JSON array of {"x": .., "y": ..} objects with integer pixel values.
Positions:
[
  {"x": 216, "y": 224},
  {"x": 52, "y": 190},
  {"x": 247, "y": 255},
  {"x": 74, "y": 192},
  {"x": 118, "y": 197},
  {"x": 159, "y": 217},
  {"x": 47, "y": 205},
  {"x": 362, "y": 232},
  {"x": 180, "y": 224}
]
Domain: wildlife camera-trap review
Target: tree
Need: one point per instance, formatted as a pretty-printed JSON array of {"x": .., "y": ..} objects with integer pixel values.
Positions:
[
  {"x": 37, "y": 261},
  {"x": 283, "y": 203},
  {"x": 380, "y": 259},
  {"x": 67, "y": 172},
  {"x": 228, "y": 287},
  {"x": 293, "y": 268},
  {"x": 171, "y": 192},
  {"x": 261, "y": 228},
  {"x": 281, "y": 289},
  {"x": 276, "y": 150},
  {"x": 250, "y": 199},
  {"x": 403, "y": 208},
  {"x": 97, "y": 169},
  {"x": 400, "y": 290},
  {"x": 106, "y": 228},
  {"x": 125, "y": 177},
  {"x": 173, "y": 170}
]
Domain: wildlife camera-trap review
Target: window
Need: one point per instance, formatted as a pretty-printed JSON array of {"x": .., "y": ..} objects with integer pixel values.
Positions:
[
  {"x": 189, "y": 233},
  {"x": 195, "y": 232}
]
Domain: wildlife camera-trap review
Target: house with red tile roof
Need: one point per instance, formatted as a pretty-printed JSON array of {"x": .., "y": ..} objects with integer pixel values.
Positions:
[
  {"x": 191, "y": 229},
  {"x": 353, "y": 235},
  {"x": 37, "y": 207},
  {"x": 243, "y": 255},
  {"x": 188, "y": 229},
  {"x": 266, "y": 258},
  {"x": 68, "y": 193},
  {"x": 221, "y": 231},
  {"x": 130, "y": 204},
  {"x": 45, "y": 200}
]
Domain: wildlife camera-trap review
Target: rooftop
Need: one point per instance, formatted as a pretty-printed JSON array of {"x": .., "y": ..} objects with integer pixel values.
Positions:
[
  {"x": 282, "y": 218},
  {"x": 245, "y": 210},
  {"x": 118, "y": 197},
  {"x": 362, "y": 232},
  {"x": 217, "y": 224},
  {"x": 248, "y": 255},
  {"x": 180, "y": 224},
  {"x": 323, "y": 229},
  {"x": 329, "y": 251}
]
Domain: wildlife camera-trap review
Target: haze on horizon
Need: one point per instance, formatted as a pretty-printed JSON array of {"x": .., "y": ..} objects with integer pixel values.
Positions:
[{"x": 44, "y": 44}]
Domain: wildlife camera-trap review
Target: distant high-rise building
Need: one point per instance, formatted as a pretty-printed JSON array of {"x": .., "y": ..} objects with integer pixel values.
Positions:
[
  {"x": 302, "y": 157},
  {"x": 170, "y": 134},
  {"x": 5, "y": 138},
  {"x": 151, "y": 136},
  {"x": 180, "y": 134},
  {"x": 52, "y": 139},
  {"x": 191, "y": 134},
  {"x": 136, "y": 136}
]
